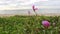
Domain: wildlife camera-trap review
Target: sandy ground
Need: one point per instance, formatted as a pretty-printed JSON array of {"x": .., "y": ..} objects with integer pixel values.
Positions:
[{"x": 47, "y": 14}]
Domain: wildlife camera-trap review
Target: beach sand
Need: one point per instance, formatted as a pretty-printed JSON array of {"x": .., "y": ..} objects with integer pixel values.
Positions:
[{"x": 46, "y": 14}]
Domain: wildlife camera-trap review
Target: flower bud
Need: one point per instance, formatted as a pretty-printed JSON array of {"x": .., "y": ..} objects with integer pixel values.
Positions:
[{"x": 45, "y": 23}]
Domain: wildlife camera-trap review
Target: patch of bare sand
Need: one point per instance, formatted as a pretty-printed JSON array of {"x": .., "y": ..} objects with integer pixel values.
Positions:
[{"x": 46, "y": 14}]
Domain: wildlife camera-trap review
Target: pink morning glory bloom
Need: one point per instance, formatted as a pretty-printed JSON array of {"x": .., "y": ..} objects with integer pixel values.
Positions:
[
  {"x": 33, "y": 7},
  {"x": 45, "y": 23}
]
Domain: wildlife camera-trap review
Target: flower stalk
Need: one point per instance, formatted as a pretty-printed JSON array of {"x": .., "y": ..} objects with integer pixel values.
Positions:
[
  {"x": 46, "y": 25},
  {"x": 34, "y": 9}
]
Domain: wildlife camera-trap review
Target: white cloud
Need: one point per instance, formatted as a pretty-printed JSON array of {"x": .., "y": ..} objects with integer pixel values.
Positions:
[
  {"x": 25, "y": 3},
  {"x": 21, "y": 2},
  {"x": 16, "y": 3}
]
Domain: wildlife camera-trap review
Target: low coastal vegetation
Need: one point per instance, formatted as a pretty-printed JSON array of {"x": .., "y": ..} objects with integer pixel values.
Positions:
[{"x": 29, "y": 25}]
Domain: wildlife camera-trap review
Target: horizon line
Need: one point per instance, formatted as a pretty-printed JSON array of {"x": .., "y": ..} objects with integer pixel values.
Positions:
[{"x": 39, "y": 7}]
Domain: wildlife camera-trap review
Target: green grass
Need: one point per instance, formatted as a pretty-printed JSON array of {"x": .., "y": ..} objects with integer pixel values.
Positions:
[{"x": 28, "y": 25}]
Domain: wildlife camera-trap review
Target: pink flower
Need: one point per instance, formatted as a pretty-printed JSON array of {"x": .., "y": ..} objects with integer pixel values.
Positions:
[
  {"x": 29, "y": 12},
  {"x": 45, "y": 23},
  {"x": 33, "y": 7}
]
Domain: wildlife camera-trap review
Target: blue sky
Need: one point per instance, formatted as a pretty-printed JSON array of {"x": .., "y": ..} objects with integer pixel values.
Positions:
[{"x": 26, "y": 4}]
